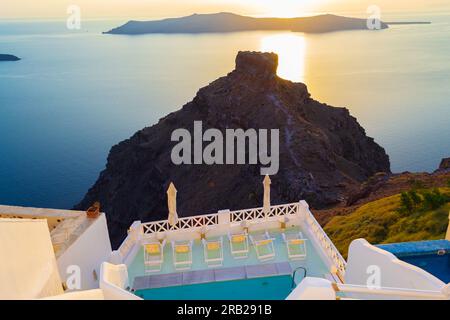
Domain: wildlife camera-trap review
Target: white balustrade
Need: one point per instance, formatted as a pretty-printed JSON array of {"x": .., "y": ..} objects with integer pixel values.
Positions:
[
  {"x": 326, "y": 244},
  {"x": 182, "y": 224},
  {"x": 225, "y": 217}
]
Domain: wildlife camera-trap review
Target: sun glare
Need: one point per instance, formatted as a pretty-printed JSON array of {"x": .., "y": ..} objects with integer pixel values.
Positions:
[
  {"x": 291, "y": 50},
  {"x": 288, "y": 8},
  {"x": 282, "y": 12}
]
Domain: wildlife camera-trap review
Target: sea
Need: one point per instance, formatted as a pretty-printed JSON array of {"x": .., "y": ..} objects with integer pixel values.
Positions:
[{"x": 76, "y": 93}]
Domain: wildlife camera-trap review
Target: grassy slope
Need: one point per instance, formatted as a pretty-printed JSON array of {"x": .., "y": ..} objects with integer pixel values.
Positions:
[{"x": 380, "y": 222}]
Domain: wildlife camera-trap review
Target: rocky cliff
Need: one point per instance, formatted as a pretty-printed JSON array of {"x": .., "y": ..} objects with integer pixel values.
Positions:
[
  {"x": 324, "y": 152},
  {"x": 382, "y": 185},
  {"x": 8, "y": 57}
]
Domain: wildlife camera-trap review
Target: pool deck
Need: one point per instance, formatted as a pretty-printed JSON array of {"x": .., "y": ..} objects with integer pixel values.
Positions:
[
  {"x": 414, "y": 248},
  {"x": 212, "y": 275},
  {"x": 231, "y": 269}
]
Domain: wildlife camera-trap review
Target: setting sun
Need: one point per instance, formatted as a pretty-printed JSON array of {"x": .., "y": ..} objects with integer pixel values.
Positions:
[
  {"x": 291, "y": 50},
  {"x": 288, "y": 8}
]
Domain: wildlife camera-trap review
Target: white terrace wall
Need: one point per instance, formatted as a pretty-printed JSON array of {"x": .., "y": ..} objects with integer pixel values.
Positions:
[
  {"x": 113, "y": 286},
  {"x": 114, "y": 281},
  {"x": 88, "y": 252},
  {"x": 28, "y": 268},
  {"x": 394, "y": 273},
  {"x": 127, "y": 251}
]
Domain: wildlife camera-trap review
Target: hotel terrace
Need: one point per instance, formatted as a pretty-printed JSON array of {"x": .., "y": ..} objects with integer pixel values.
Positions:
[{"x": 273, "y": 252}]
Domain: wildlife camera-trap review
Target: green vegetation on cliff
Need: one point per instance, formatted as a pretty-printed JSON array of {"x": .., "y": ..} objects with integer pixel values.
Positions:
[{"x": 410, "y": 216}]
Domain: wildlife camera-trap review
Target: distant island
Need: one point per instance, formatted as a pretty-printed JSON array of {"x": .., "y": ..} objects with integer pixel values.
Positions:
[
  {"x": 407, "y": 22},
  {"x": 8, "y": 57},
  {"x": 230, "y": 22}
]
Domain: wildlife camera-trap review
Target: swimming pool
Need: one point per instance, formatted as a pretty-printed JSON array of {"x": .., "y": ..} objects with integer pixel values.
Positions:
[
  {"x": 432, "y": 256},
  {"x": 235, "y": 279},
  {"x": 266, "y": 288},
  {"x": 313, "y": 263},
  {"x": 437, "y": 265}
]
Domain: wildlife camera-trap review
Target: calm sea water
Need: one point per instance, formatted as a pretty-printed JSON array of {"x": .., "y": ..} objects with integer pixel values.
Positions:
[{"x": 75, "y": 94}]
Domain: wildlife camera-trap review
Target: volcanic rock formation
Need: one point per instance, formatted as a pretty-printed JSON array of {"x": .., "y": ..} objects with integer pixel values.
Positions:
[{"x": 323, "y": 152}]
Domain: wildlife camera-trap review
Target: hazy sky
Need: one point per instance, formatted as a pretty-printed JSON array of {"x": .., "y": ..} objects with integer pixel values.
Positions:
[{"x": 166, "y": 8}]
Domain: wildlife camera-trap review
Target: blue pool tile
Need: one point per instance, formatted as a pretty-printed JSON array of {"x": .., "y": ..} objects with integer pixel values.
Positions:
[
  {"x": 233, "y": 273},
  {"x": 165, "y": 280},
  {"x": 199, "y": 276},
  {"x": 416, "y": 247},
  {"x": 284, "y": 268},
  {"x": 261, "y": 270}
]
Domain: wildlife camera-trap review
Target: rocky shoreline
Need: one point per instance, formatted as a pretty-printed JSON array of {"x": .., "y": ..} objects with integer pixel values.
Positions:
[{"x": 8, "y": 57}]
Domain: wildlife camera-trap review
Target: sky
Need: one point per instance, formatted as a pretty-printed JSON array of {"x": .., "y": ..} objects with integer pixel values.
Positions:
[{"x": 99, "y": 9}]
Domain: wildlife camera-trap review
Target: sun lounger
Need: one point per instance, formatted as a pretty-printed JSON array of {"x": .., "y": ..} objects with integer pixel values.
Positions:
[
  {"x": 182, "y": 254},
  {"x": 295, "y": 245},
  {"x": 239, "y": 245},
  {"x": 213, "y": 252},
  {"x": 153, "y": 256},
  {"x": 264, "y": 247}
]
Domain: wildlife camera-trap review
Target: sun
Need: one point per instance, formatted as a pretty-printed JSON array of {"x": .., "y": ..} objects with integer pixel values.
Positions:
[
  {"x": 291, "y": 50},
  {"x": 283, "y": 13}
]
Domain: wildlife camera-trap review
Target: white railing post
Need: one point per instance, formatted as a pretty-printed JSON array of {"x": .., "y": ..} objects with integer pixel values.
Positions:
[
  {"x": 304, "y": 204},
  {"x": 224, "y": 217},
  {"x": 303, "y": 209}
]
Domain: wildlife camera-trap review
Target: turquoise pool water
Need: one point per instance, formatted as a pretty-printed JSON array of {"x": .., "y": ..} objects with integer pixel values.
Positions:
[{"x": 267, "y": 288}]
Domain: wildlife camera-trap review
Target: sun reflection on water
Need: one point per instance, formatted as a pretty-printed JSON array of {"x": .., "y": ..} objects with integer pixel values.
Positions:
[{"x": 291, "y": 50}]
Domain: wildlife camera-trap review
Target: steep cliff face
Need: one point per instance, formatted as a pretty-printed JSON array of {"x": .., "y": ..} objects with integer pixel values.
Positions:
[{"x": 324, "y": 152}]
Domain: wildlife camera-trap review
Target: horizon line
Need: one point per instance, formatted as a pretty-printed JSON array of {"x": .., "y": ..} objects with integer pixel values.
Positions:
[{"x": 160, "y": 17}]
